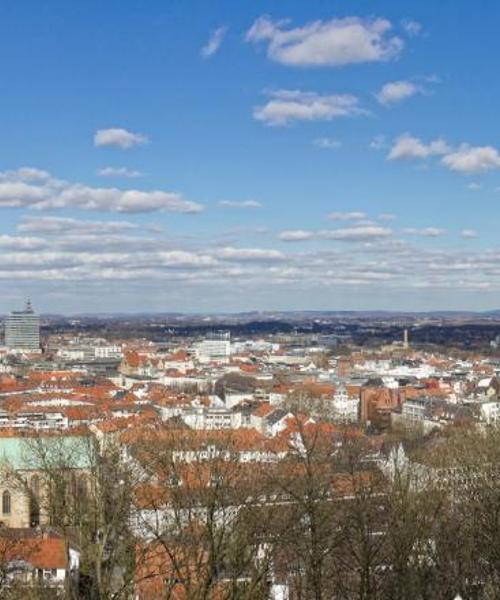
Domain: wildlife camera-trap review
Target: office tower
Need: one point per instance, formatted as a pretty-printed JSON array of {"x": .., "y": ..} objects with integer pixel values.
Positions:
[{"x": 22, "y": 329}]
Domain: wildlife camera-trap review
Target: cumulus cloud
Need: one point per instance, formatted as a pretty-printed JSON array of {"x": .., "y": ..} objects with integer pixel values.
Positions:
[
  {"x": 469, "y": 233},
  {"x": 296, "y": 235},
  {"x": 39, "y": 190},
  {"x": 286, "y": 106},
  {"x": 473, "y": 159},
  {"x": 249, "y": 254},
  {"x": 327, "y": 143},
  {"x": 356, "y": 233},
  {"x": 412, "y": 27},
  {"x": 397, "y": 91},
  {"x": 465, "y": 159},
  {"x": 346, "y": 216},
  {"x": 407, "y": 146},
  {"x": 239, "y": 204},
  {"x": 336, "y": 42},
  {"x": 378, "y": 143},
  {"x": 66, "y": 225},
  {"x": 12, "y": 242},
  {"x": 119, "y": 138},
  {"x": 119, "y": 172},
  {"x": 67, "y": 256},
  {"x": 425, "y": 231},
  {"x": 214, "y": 42}
]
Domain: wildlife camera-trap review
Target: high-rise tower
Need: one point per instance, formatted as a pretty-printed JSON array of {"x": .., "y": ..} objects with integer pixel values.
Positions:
[{"x": 22, "y": 329}]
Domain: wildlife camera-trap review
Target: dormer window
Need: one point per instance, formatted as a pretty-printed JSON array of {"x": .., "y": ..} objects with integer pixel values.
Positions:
[
  {"x": 216, "y": 479},
  {"x": 174, "y": 480}
]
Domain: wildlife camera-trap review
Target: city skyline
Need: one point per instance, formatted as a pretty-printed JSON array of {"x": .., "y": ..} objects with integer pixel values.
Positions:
[{"x": 307, "y": 156}]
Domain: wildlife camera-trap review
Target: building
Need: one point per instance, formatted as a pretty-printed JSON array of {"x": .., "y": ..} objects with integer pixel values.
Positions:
[
  {"x": 22, "y": 330},
  {"x": 36, "y": 558},
  {"x": 215, "y": 348},
  {"x": 345, "y": 408},
  {"x": 377, "y": 401},
  {"x": 24, "y": 489},
  {"x": 427, "y": 413}
]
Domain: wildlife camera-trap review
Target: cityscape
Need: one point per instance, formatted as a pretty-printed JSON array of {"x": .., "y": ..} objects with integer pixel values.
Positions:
[
  {"x": 250, "y": 308},
  {"x": 170, "y": 457}
]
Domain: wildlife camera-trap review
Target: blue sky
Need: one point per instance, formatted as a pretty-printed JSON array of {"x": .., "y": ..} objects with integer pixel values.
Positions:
[{"x": 227, "y": 156}]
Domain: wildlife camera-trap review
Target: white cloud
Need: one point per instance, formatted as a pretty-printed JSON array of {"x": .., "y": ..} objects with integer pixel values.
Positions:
[
  {"x": 18, "y": 188},
  {"x": 118, "y": 137},
  {"x": 334, "y": 43},
  {"x": 412, "y": 27},
  {"x": 214, "y": 42},
  {"x": 127, "y": 201},
  {"x": 76, "y": 258},
  {"x": 386, "y": 217},
  {"x": 425, "y": 231},
  {"x": 473, "y": 185},
  {"x": 407, "y": 146},
  {"x": 465, "y": 159},
  {"x": 473, "y": 159},
  {"x": 287, "y": 106},
  {"x": 239, "y": 204},
  {"x": 30, "y": 244},
  {"x": 249, "y": 254},
  {"x": 119, "y": 172},
  {"x": 356, "y": 233},
  {"x": 378, "y": 142},
  {"x": 346, "y": 216},
  {"x": 397, "y": 91},
  {"x": 29, "y": 174},
  {"x": 66, "y": 225},
  {"x": 327, "y": 143},
  {"x": 296, "y": 235},
  {"x": 468, "y": 233}
]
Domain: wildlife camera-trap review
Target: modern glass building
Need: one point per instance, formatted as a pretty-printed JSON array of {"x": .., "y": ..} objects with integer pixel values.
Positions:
[{"x": 22, "y": 329}]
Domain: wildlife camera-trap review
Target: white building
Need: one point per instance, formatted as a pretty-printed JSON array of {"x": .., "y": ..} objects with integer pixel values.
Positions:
[
  {"x": 490, "y": 412},
  {"x": 216, "y": 348},
  {"x": 345, "y": 408},
  {"x": 108, "y": 352}
]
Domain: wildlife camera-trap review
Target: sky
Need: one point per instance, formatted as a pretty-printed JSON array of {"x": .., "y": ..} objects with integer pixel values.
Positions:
[{"x": 222, "y": 156}]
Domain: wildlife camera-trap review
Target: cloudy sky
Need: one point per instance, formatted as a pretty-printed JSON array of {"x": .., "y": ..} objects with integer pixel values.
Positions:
[{"x": 227, "y": 156}]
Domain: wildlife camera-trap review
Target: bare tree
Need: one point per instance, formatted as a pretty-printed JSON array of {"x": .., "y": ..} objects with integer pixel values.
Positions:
[
  {"x": 85, "y": 491},
  {"x": 199, "y": 511}
]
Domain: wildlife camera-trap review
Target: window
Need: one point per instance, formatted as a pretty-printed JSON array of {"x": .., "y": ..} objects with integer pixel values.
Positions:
[
  {"x": 34, "y": 501},
  {"x": 174, "y": 480},
  {"x": 6, "y": 503},
  {"x": 216, "y": 479},
  {"x": 82, "y": 488},
  {"x": 35, "y": 486}
]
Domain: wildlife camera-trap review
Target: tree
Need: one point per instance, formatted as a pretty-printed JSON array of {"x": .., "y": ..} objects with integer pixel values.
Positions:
[
  {"x": 198, "y": 515},
  {"x": 86, "y": 493}
]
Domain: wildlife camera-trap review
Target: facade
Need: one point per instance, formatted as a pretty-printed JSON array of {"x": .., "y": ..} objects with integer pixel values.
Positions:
[
  {"x": 33, "y": 558},
  {"x": 23, "y": 495},
  {"x": 22, "y": 329},
  {"x": 215, "y": 348},
  {"x": 490, "y": 412},
  {"x": 344, "y": 407}
]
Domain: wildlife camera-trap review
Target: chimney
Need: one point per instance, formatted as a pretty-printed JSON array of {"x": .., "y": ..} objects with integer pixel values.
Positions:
[{"x": 406, "y": 343}]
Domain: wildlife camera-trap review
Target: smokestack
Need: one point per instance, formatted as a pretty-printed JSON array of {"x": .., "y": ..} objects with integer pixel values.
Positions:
[{"x": 406, "y": 343}]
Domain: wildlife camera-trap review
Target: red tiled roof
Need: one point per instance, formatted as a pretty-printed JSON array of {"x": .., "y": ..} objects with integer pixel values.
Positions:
[{"x": 42, "y": 553}]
